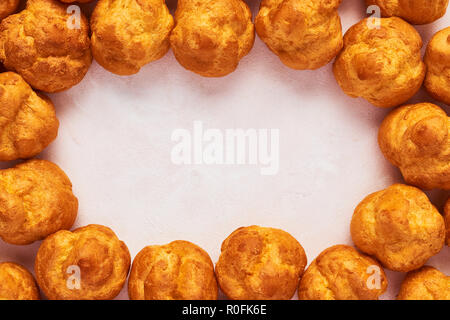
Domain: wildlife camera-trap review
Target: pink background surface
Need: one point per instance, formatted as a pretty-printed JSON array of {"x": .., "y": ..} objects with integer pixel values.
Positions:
[{"x": 115, "y": 143}]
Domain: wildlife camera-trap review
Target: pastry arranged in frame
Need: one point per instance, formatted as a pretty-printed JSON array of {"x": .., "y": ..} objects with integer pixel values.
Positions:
[
  {"x": 427, "y": 283},
  {"x": 17, "y": 283},
  {"x": 413, "y": 11},
  {"x": 126, "y": 35},
  {"x": 303, "y": 34},
  {"x": 211, "y": 36},
  {"x": 437, "y": 60},
  {"x": 342, "y": 273},
  {"x": 258, "y": 263},
  {"x": 36, "y": 200},
  {"x": 28, "y": 122},
  {"x": 399, "y": 226},
  {"x": 381, "y": 61},
  {"x": 179, "y": 270},
  {"x": 54, "y": 52},
  {"x": 89, "y": 263},
  {"x": 416, "y": 139}
]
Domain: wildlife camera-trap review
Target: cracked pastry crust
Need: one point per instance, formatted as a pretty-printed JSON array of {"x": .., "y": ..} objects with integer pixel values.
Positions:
[
  {"x": 258, "y": 263},
  {"x": 8, "y": 7},
  {"x": 128, "y": 34},
  {"x": 437, "y": 60},
  {"x": 342, "y": 273},
  {"x": 447, "y": 220},
  {"x": 413, "y": 11},
  {"x": 38, "y": 44},
  {"x": 427, "y": 283},
  {"x": 382, "y": 65},
  {"x": 179, "y": 270},
  {"x": 103, "y": 261},
  {"x": 17, "y": 283},
  {"x": 36, "y": 200},
  {"x": 415, "y": 138},
  {"x": 399, "y": 226},
  {"x": 28, "y": 122},
  {"x": 303, "y": 34},
  {"x": 211, "y": 36}
]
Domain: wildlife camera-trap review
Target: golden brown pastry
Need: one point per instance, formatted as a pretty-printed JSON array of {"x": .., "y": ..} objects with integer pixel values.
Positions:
[
  {"x": 447, "y": 220},
  {"x": 38, "y": 44},
  {"x": 179, "y": 270},
  {"x": 36, "y": 200},
  {"x": 342, "y": 273},
  {"x": 415, "y": 138},
  {"x": 211, "y": 36},
  {"x": 382, "y": 65},
  {"x": 8, "y": 7},
  {"x": 399, "y": 226},
  {"x": 437, "y": 60},
  {"x": 259, "y": 263},
  {"x": 128, "y": 34},
  {"x": 17, "y": 283},
  {"x": 304, "y": 34},
  {"x": 90, "y": 263},
  {"x": 413, "y": 11},
  {"x": 427, "y": 283},
  {"x": 28, "y": 121}
]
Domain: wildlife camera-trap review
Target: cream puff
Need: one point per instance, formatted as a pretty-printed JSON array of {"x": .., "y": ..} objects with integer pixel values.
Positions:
[{"x": 399, "y": 226}]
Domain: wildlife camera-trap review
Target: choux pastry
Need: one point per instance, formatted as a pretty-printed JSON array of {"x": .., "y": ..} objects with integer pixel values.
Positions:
[
  {"x": 8, "y": 7},
  {"x": 447, "y": 220},
  {"x": 304, "y": 34},
  {"x": 415, "y": 138},
  {"x": 399, "y": 226},
  {"x": 17, "y": 283},
  {"x": 36, "y": 200},
  {"x": 382, "y": 65},
  {"x": 28, "y": 121},
  {"x": 38, "y": 44},
  {"x": 259, "y": 263},
  {"x": 413, "y": 11},
  {"x": 437, "y": 60},
  {"x": 128, "y": 34},
  {"x": 89, "y": 263},
  {"x": 342, "y": 273},
  {"x": 427, "y": 283},
  {"x": 179, "y": 270},
  {"x": 211, "y": 36}
]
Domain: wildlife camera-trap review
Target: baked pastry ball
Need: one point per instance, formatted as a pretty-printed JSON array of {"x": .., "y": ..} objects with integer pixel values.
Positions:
[
  {"x": 437, "y": 60},
  {"x": 447, "y": 220},
  {"x": 303, "y": 34},
  {"x": 179, "y": 270},
  {"x": 211, "y": 36},
  {"x": 36, "y": 200},
  {"x": 28, "y": 121},
  {"x": 8, "y": 7},
  {"x": 427, "y": 283},
  {"x": 382, "y": 65},
  {"x": 342, "y": 273},
  {"x": 127, "y": 35},
  {"x": 17, "y": 283},
  {"x": 89, "y": 263},
  {"x": 38, "y": 44},
  {"x": 399, "y": 226},
  {"x": 413, "y": 11},
  {"x": 416, "y": 139},
  {"x": 259, "y": 263}
]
